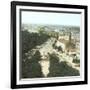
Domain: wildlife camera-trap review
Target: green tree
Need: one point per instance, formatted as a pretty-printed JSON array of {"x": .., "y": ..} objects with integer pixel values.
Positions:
[
  {"x": 58, "y": 69},
  {"x": 31, "y": 67},
  {"x": 41, "y": 30}
]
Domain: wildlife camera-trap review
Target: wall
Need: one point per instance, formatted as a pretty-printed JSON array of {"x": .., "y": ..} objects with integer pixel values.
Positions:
[{"x": 5, "y": 44}]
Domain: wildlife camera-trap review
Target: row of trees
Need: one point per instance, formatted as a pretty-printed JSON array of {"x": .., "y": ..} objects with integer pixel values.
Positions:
[
  {"x": 32, "y": 69},
  {"x": 31, "y": 40}
]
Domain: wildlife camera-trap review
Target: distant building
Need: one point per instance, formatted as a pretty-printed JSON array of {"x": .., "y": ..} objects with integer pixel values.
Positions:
[{"x": 65, "y": 37}]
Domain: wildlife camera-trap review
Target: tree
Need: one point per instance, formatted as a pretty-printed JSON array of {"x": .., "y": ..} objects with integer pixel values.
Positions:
[
  {"x": 31, "y": 67},
  {"x": 58, "y": 69},
  {"x": 41, "y": 30},
  {"x": 54, "y": 63}
]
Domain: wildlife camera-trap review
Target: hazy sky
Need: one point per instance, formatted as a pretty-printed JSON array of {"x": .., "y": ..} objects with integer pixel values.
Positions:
[{"x": 51, "y": 18}]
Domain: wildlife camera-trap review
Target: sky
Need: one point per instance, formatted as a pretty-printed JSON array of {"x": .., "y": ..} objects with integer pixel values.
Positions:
[{"x": 29, "y": 17}]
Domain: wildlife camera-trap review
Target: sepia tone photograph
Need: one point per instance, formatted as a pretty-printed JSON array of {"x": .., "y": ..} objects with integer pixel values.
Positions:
[{"x": 50, "y": 44}]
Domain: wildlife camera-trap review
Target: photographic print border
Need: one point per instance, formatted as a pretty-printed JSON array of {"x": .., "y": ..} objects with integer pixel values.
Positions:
[{"x": 14, "y": 84}]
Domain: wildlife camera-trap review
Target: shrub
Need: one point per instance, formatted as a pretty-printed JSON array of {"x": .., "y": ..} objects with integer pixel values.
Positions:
[{"x": 76, "y": 61}]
